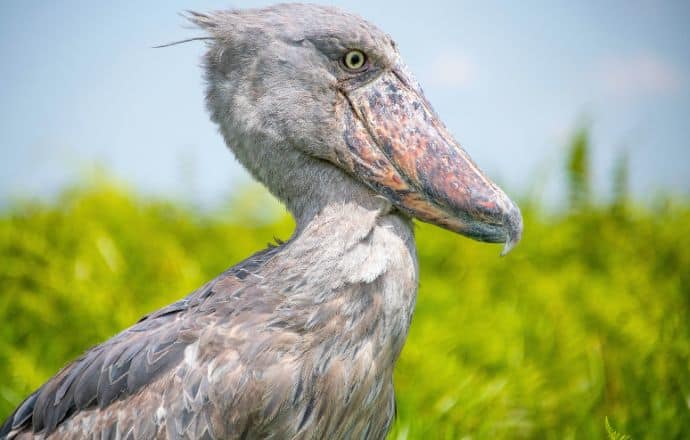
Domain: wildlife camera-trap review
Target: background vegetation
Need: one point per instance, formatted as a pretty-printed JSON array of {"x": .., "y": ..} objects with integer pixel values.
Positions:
[{"x": 587, "y": 319}]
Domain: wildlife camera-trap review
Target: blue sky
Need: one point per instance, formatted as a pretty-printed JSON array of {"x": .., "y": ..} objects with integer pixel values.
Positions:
[{"x": 80, "y": 85}]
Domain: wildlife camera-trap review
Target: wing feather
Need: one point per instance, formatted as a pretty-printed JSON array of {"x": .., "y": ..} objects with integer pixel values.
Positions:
[{"x": 128, "y": 362}]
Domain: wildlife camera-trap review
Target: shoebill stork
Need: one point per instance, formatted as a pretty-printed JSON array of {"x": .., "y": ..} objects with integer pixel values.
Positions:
[{"x": 298, "y": 340}]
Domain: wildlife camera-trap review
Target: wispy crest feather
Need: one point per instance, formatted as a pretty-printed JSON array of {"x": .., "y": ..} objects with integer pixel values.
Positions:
[
  {"x": 199, "y": 20},
  {"x": 187, "y": 40}
]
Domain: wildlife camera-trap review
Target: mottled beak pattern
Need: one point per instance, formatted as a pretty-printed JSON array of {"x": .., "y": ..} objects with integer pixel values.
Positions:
[{"x": 399, "y": 147}]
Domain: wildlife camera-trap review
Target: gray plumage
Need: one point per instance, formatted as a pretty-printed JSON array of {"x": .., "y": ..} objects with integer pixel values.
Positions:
[{"x": 299, "y": 340}]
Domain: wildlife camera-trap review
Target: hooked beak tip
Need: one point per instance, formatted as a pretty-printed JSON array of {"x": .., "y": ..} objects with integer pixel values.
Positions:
[
  {"x": 509, "y": 245},
  {"x": 513, "y": 229}
]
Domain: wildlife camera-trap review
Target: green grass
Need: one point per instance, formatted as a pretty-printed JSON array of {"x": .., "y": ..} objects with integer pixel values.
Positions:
[{"x": 587, "y": 318}]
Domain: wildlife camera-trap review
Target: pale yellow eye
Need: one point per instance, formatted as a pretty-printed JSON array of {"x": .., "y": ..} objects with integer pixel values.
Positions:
[{"x": 354, "y": 60}]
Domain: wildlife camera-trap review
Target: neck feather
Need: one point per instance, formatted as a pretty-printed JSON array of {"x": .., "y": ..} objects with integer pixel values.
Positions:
[
  {"x": 347, "y": 236},
  {"x": 346, "y": 233}
]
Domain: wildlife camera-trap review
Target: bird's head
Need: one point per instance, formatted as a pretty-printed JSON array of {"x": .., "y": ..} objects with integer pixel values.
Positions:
[{"x": 317, "y": 83}]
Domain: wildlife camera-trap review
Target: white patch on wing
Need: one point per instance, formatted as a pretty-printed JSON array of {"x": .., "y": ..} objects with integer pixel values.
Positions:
[
  {"x": 160, "y": 415},
  {"x": 191, "y": 354}
]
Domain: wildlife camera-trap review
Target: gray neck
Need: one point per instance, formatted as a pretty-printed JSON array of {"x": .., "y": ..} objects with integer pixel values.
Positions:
[
  {"x": 331, "y": 198},
  {"x": 349, "y": 273},
  {"x": 343, "y": 228},
  {"x": 346, "y": 233}
]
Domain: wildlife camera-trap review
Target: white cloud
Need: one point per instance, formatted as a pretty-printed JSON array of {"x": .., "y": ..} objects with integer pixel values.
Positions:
[
  {"x": 452, "y": 70},
  {"x": 639, "y": 75}
]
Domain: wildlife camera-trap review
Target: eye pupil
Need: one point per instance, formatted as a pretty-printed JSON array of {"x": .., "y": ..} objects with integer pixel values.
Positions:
[{"x": 354, "y": 60}]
